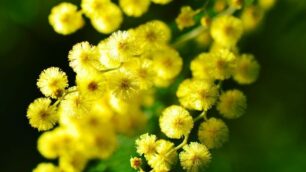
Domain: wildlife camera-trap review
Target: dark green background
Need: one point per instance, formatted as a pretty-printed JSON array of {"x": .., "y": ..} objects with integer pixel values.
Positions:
[{"x": 270, "y": 137}]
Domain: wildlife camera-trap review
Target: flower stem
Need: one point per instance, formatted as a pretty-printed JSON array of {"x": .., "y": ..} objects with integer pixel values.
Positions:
[
  {"x": 180, "y": 145},
  {"x": 63, "y": 96},
  {"x": 111, "y": 69},
  {"x": 183, "y": 143},
  {"x": 202, "y": 115},
  {"x": 188, "y": 36}
]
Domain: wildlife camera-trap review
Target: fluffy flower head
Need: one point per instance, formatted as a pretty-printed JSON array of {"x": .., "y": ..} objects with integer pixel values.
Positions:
[
  {"x": 226, "y": 30},
  {"x": 197, "y": 94},
  {"x": 175, "y": 122},
  {"x": 213, "y": 133},
  {"x": 52, "y": 82},
  {"x": 65, "y": 19},
  {"x": 41, "y": 114},
  {"x": 195, "y": 157},
  {"x": 232, "y": 104}
]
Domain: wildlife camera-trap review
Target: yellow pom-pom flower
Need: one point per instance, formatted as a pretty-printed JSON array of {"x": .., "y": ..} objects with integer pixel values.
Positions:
[
  {"x": 213, "y": 133},
  {"x": 162, "y": 2},
  {"x": 175, "y": 122},
  {"x": 197, "y": 94},
  {"x": 46, "y": 167},
  {"x": 195, "y": 157},
  {"x": 92, "y": 8},
  {"x": 223, "y": 63},
  {"x": 146, "y": 144},
  {"x": 123, "y": 85},
  {"x": 100, "y": 144},
  {"x": 167, "y": 63},
  {"x": 136, "y": 163},
  {"x": 164, "y": 157},
  {"x": 203, "y": 40},
  {"x": 91, "y": 85},
  {"x": 232, "y": 104},
  {"x": 237, "y": 4},
  {"x": 200, "y": 66},
  {"x": 41, "y": 114},
  {"x": 73, "y": 162},
  {"x": 48, "y": 145},
  {"x": 251, "y": 17},
  {"x": 52, "y": 82},
  {"x": 205, "y": 21},
  {"x": 105, "y": 16},
  {"x": 65, "y": 18},
  {"x": 107, "y": 20},
  {"x": 135, "y": 8},
  {"x": 122, "y": 45},
  {"x": 154, "y": 33},
  {"x": 226, "y": 30},
  {"x": 185, "y": 18},
  {"x": 84, "y": 58},
  {"x": 74, "y": 105},
  {"x": 220, "y": 5},
  {"x": 142, "y": 69},
  {"x": 246, "y": 70},
  {"x": 57, "y": 142},
  {"x": 266, "y": 4}
]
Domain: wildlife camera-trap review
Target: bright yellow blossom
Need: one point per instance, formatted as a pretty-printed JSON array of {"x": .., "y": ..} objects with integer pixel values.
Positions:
[
  {"x": 46, "y": 167},
  {"x": 73, "y": 162},
  {"x": 226, "y": 30},
  {"x": 101, "y": 144},
  {"x": 41, "y": 114},
  {"x": 74, "y": 105},
  {"x": 232, "y": 104},
  {"x": 154, "y": 33},
  {"x": 267, "y": 4},
  {"x": 222, "y": 64},
  {"x": 161, "y": 1},
  {"x": 167, "y": 63},
  {"x": 52, "y": 82},
  {"x": 123, "y": 85},
  {"x": 175, "y": 122},
  {"x": 107, "y": 20},
  {"x": 93, "y": 85},
  {"x": 146, "y": 144},
  {"x": 163, "y": 159},
  {"x": 251, "y": 17},
  {"x": 220, "y": 5},
  {"x": 185, "y": 18},
  {"x": 197, "y": 94},
  {"x": 92, "y": 8},
  {"x": 65, "y": 19},
  {"x": 213, "y": 133},
  {"x": 122, "y": 45},
  {"x": 142, "y": 68},
  {"x": 200, "y": 66},
  {"x": 55, "y": 143},
  {"x": 204, "y": 39},
  {"x": 246, "y": 70},
  {"x": 195, "y": 157},
  {"x": 237, "y": 4},
  {"x": 135, "y": 162},
  {"x": 134, "y": 8},
  {"x": 84, "y": 58}
]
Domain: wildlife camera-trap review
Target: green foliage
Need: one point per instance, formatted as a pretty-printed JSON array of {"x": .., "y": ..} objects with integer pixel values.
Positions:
[{"x": 119, "y": 161}]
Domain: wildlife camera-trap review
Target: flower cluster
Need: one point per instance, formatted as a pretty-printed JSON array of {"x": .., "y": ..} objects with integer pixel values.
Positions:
[
  {"x": 203, "y": 91},
  {"x": 114, "y": 79},
  {"x": 105, "y": 15},
  {"x": 118, "y": 77}
]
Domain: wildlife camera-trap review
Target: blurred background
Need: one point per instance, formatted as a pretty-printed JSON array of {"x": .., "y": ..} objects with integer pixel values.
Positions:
[{"x": 270, "y": 137}]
